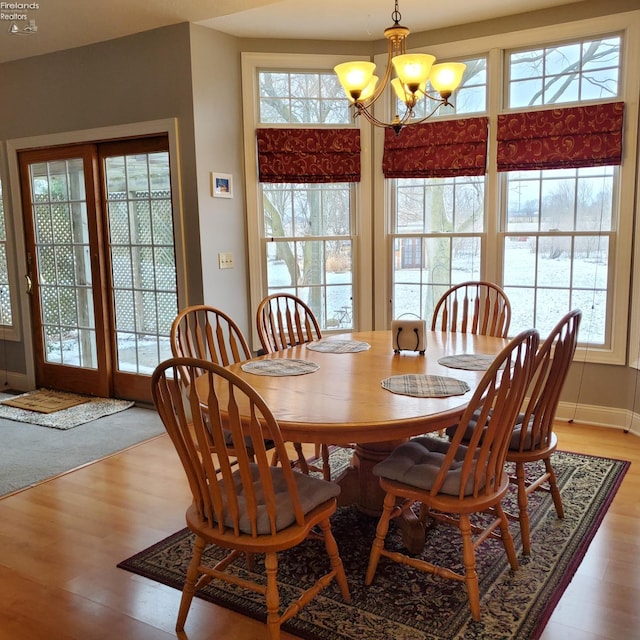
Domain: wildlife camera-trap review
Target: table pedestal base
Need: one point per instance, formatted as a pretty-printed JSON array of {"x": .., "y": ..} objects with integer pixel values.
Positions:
[{"x": 361, "y": 487}]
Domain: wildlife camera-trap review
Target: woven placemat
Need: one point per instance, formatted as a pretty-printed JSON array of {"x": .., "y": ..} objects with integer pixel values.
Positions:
[
  {"x": 330, "y": 345},
  {"x": 425, "y": 386},
  {"x": 469, "y": 361},
  {"x": 284, "y": 367}
]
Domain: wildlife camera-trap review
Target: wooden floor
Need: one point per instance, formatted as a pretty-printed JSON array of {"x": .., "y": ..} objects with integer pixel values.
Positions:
[{"x": 60, "y": 542}]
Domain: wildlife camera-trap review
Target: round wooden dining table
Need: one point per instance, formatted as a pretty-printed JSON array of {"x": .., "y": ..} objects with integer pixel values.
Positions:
[{"x": 342, "y": 401}]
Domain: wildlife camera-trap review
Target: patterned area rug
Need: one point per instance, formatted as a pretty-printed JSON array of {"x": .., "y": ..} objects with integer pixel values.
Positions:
[
  {"x": 88, "y": 408},
  {"x": 405, "y": 604}
]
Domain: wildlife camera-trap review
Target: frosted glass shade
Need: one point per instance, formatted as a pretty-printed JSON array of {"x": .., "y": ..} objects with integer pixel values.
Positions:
[
  {"x": 355, "y": 77},
  {"x": 413, "y": 68},
  {"x": 446, "y": 77},
  {"x": 403, "y": 92},
  {"x": 369, "y": 89}
]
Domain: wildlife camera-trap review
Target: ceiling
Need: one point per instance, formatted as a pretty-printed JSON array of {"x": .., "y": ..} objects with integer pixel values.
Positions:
[{"x": 64, "y": 24}]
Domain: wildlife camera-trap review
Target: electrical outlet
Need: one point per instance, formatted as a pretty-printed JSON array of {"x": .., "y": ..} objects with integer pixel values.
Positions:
[{"x": 225, "y": 260}]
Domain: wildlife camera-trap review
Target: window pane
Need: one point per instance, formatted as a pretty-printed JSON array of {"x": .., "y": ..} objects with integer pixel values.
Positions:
[
  {"x": 317, "y": 270},
  {"x": 142, "y": 257},
  {"x": 302, "y": 98},
  {"x": 6, "y": 318},
  {"x": 520, "y": 256},
  {"x": 594, "y": 319},
  {"x": 523, "y": 305},
  {"x": 570, "y": 72},
  {"x": 470, "y": 97},
  {"x": 437, "y": 240},
  {"x": 560, "y": 254}
]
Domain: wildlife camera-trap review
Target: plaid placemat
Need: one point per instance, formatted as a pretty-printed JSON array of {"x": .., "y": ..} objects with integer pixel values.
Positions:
[
  {"x": 469, "y": 361},
  {"x": 329, "y": 345},
  {"x": 424, "y": 386},
  {"x": 283, "y": 367}
]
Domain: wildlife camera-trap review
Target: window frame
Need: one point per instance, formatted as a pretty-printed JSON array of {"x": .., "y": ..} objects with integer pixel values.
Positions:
[
  {"x": 9, "y": 331},
  {"x": 361, "y": 222},
  {"x": 628, "y": 25}
]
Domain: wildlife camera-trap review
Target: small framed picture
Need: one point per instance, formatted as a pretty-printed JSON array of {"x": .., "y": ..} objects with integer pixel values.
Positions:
[{"x": 221, "y": 185}]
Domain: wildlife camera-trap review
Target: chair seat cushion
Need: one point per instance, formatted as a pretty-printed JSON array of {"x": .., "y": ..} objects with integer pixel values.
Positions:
[
  {"x": 312, "y": 492},
  {"x": 228, "y": 438},
  {"x": 514, "y": 443},
  {"x": 471, "y": 425},
  {"x": 418, "y": 462}
]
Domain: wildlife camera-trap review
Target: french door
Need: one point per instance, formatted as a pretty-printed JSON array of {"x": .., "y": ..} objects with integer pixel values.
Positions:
[{"x": 101, "y": 275}]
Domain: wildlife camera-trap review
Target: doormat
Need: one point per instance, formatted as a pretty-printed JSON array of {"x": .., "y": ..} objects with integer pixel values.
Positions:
[
  {"x": 45, "y": 401},
  {"x": 403, "y": 602},
  {"x": 83, "y": 409}
]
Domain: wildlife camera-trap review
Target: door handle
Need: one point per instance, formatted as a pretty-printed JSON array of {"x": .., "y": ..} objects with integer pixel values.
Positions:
[{"x": 29, "y": 284}]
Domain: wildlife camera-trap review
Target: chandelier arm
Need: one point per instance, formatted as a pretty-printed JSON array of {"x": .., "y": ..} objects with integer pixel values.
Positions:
[
  {"x": 441, "y": 103},
  {"x": 392, "y": 50},
  {"x": 396, "y": 124}
]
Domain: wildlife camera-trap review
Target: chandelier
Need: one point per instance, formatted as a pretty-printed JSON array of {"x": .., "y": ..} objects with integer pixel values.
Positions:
[{"x": 412, "y": 70}]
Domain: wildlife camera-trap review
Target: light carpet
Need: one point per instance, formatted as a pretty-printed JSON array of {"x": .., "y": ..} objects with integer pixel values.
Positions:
[
  {"x": 88, "y": 408},
  {"x": 30, "y": 454},
  {"x": 405, "y": 604}
]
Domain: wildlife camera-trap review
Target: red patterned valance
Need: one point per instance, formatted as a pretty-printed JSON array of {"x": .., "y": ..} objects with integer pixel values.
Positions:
[
  {"x": 309, "y": 155},
  {"x": 588, "y": 136},
  {"x": 438, "y": 149}
]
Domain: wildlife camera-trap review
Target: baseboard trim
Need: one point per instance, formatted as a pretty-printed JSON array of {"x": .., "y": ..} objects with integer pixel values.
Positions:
[
  {"x": 610, "y": 417},
  {"x": 15, "y": 382}
]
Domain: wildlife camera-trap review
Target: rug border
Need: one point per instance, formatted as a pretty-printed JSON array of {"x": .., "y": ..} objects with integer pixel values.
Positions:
[{"x": 575, "y": 562}]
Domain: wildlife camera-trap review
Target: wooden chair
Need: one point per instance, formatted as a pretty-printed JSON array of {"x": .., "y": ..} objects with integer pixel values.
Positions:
[
  {"x": 204, "y": 332},
  {"x": 533, "y": 438},
  {"x": 473, "y": 307},
  {"x": 284, "y": 320},
  {"x": 452, "y": 481},
  {"x": 258, "y": 508},
  {"x": 207, "y": 333}
]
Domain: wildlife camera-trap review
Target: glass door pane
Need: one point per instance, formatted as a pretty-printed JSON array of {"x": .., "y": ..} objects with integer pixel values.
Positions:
[
  {"x": 144, "y": 285},
  {"x": 64, "y": 266}
]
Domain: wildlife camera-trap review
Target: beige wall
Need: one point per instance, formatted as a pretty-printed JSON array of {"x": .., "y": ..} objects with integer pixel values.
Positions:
[{"x": 217, "y": 108}]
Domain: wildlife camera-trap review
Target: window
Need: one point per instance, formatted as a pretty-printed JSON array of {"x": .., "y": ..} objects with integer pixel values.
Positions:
[
  {"x": 559, "y": 241},
  {"x": 560, "y": 225},
  {"x": 306, "y": 231},
  {"x": 301, "y": 97},
  {"x": 6, "y": 315},
  {"x": 439, "y": 223},
  {"x": 571, "y": 72},
  {"x": 555, "y": 238},
  {"x": 307, "y": 227}
]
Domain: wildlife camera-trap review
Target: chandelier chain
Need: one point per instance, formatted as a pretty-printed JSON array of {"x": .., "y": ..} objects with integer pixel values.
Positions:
[{"x": 396, "y": 16}]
